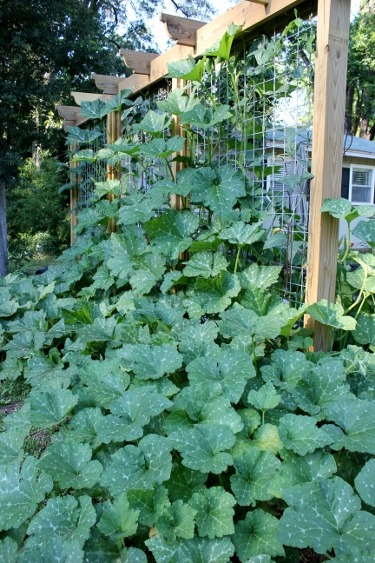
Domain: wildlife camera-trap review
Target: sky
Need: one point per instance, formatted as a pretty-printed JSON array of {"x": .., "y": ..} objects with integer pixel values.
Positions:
[{"x": 161, "y": 35}]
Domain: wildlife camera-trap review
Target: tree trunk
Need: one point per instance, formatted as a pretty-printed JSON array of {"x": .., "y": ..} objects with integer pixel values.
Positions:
[{"x": 3, "y": 232}]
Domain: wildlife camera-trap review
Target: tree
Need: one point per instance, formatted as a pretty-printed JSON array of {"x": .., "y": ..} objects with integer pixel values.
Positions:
[{"x": 360, "y": 94}]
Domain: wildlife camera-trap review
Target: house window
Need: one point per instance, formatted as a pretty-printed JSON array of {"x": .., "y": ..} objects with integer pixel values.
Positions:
[{"x": 358, "y": 184}]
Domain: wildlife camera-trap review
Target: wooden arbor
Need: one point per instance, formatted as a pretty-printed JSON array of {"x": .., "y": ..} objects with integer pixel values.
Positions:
[{"x": 193, "y": 38}]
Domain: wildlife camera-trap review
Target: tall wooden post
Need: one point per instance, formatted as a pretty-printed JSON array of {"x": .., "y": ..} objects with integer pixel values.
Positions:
[
  {"x": 113, "y": 172},
  {"x": 327, "y": 149},
  {"x": 73, "y": 194}
]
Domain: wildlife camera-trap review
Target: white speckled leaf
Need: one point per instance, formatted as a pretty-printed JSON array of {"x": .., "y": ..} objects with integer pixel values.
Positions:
[
  {"x": 296, "y": 469},
  {"x": 170, "y": 232},
  {"x": 70, "y": 465},
  {"x": 326, "y": 514},
  {"x": 365, "y": 482},
  {"x": 63, "y": 518},
  {"x": 151, "y": 362},
  {"x": 51, "y": 407},
  {"x": 255, "y": 469},
  {"x": 21, "y": 492},
  {"x": 231, "y": 368},
  {"x": 357, "y": 419},
  {"x": 203, "y": 447},
  {"x": 215, "y": 294},
  {"x": 139, "y": 467},
  {"x": 218, "y": 550},
  {"x": 8, "y": 550},
  {"x": 205, "y": 265},
  {"x": 215, "y": 512},
  {"x": 257, "y": 535},
  {"x": 118, "y": 520},
  {"x": 301, "y": 435}
]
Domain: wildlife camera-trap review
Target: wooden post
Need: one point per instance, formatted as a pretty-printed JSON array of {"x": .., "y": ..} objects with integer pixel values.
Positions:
[
  {"x": 113, "y": 172},
  {"x": 177, "y": 201},
  {"x": 328, "y": 131}
]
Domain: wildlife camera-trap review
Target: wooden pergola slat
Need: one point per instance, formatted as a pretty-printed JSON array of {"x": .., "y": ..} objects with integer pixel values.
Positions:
[
  {"x": 108, "y": 84},
  {"x": 137, "y": 61},
  {"x": 181, "y": 30}
]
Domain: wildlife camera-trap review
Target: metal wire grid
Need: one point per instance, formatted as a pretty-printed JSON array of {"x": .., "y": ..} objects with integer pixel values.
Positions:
[
  {"x": 271, "y": 143},
  {"x": 140, "y": 176}
]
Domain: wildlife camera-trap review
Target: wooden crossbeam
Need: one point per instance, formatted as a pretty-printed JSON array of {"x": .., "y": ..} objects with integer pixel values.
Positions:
[
  {"x": 264, "y": 2},
  {"x": 108, "y": 84},
  {"x": 69, "y": 114},
  {"x": 80, "y": 97},
  {"x": 137, "y": 61},
  {"x": 181, "y": 30}
]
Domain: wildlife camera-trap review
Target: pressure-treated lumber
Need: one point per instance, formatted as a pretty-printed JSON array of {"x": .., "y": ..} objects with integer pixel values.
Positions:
[
  {"x": 80, "y": 97},
  {"x": 328, "y": 128},
  {"x": 181, "y": 30},
  {"x": 246, "y": 14},
  {"x": 137, "y": 61},
  {"x": 159, "y": 66},
  {"x": 108, "y": 84},
  {"x": 113, "y": 172},
  {"x": 69, "y": 114}
]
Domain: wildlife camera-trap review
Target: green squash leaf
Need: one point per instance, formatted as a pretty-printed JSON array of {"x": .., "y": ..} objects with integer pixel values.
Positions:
[
  {"x": 218, "y": 550},
  {"x": 21, "y": 492},
  {"x": 257, "y": 535},
  {"x": 214, "y": 512},
  {"x": 215, "y": 294},
  {"x": 178, "y": 101},
  {"x": 205, "y": 265},
  {"x": 119, "y": 520},
  {"x": 240, "y": 233},
  {"x": 184, "y": 482},
  {"x": 331, "y": 314},
  {"x": 301, "y": 435},
  {"x": 52, "y": 549},
  {"x": 170, "y": 232},
  {"x": 135, "y": 408},
  {"x": 364, "y": 482},
  {"x": 265, "y": 398},
  {"x": 255, "y": 469},
  {"x": 63, "y": 518},
  {"x": 205, "y": 404},
  {"x": 364, "y": 332},
  {"x": 357, "y": 419},
  {"x": 138, "y": 467},
  {"x": 203, "y": 447},
  {"x": 365, "y": 231},
  {"x": 51, "y": 407},
  {"x": 153, "y": 122},
  {"x": 231, "y": 368},
  {"x": 151, "y": 362},
  {"x": 259, "y": 276},
  {"x": 321, "y": 385},
  {"x": 70, "y": 465},
  {"x": 324, "y": 515},
  {"x": 188, "y": 69},
  {"x": 177, "y": 521},
  {"x": 150, "y": 504},
  {"x": 222, "y": 48},
  {"x": 340, "y": 208},
  {"x": 296, "y": 469},
  {"x": 8, "y": 550}
]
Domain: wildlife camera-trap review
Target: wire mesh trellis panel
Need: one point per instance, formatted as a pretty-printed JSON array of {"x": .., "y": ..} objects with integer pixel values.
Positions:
[
  {"x": 271, "y": 140},
  {"x": 87, "y": 173},
  {"x": 141, "y": 175}
]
